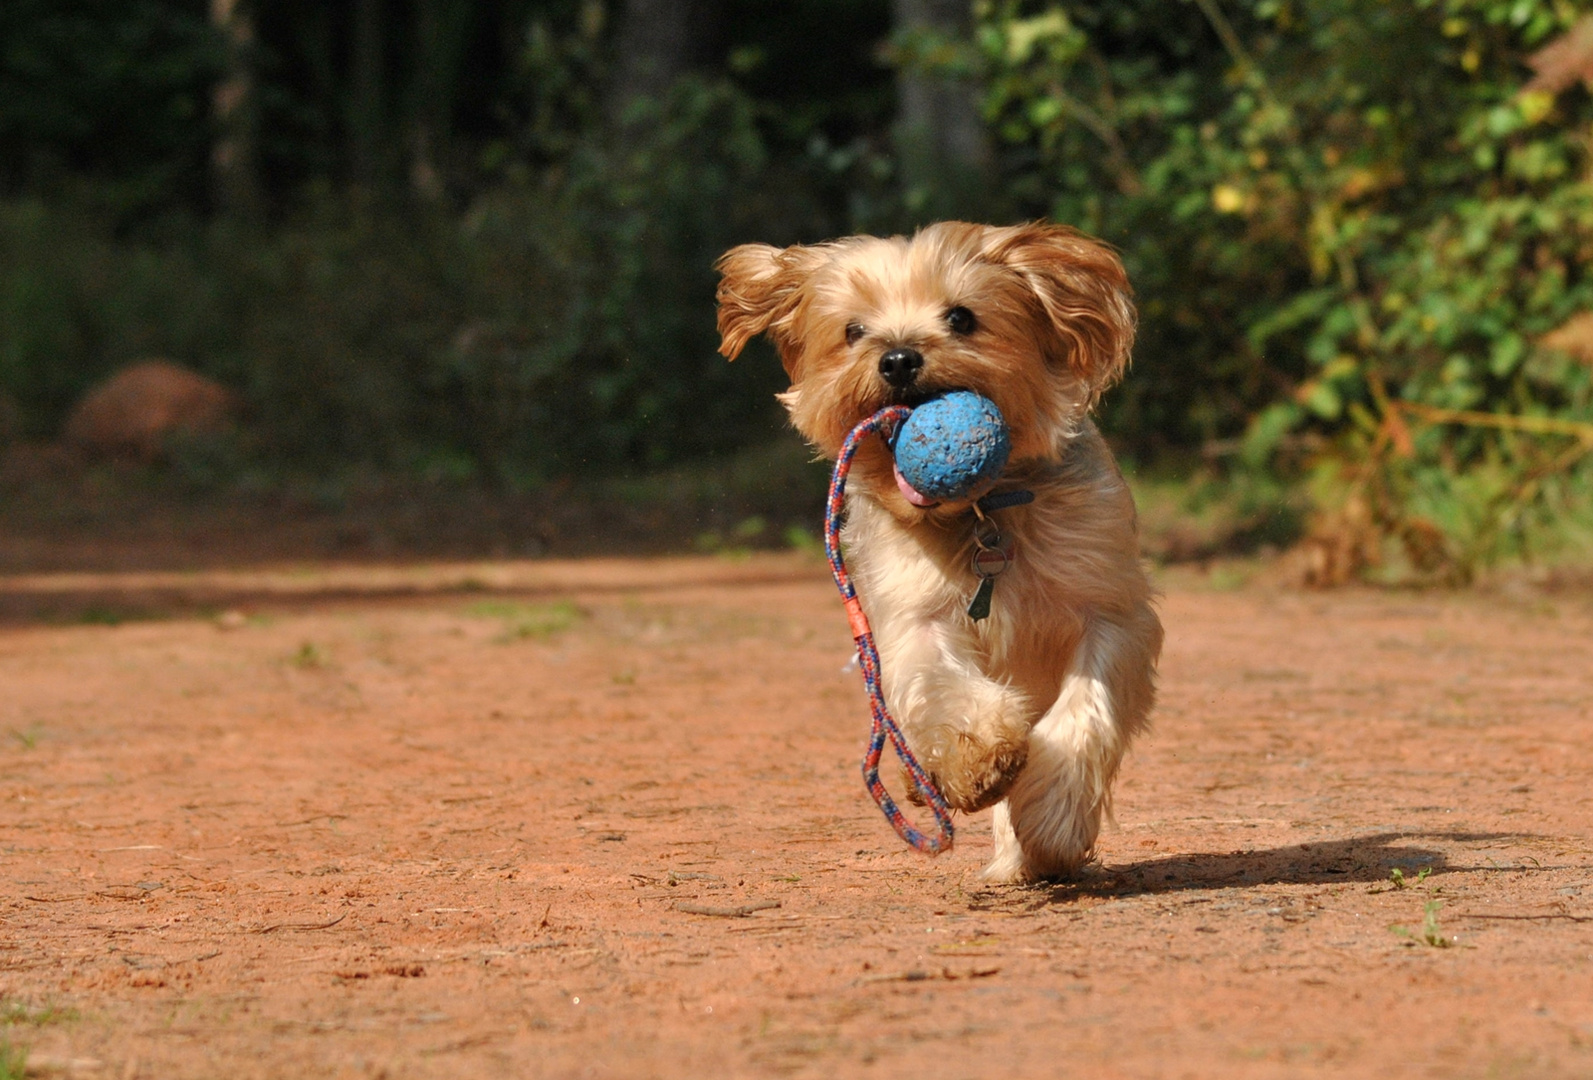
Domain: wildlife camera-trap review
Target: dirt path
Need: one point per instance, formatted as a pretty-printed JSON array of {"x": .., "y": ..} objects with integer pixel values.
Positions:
[{"x": 455, "y": 823}]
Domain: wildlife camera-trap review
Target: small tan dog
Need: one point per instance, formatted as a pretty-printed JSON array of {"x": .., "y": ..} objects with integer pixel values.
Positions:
[{"x": 1033, "y": 707}]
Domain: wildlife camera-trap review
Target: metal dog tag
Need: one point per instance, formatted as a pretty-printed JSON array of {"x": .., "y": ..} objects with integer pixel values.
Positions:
[
  {"x": 980, "y": 608},
  {"x": 991, "y": 556}
]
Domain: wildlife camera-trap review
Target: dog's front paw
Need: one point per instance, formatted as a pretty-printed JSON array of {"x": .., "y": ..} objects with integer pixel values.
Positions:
[
  {"x": 975, "y": 769},
  {"x": 976, "y": 751},
  {"x": 977, "y": 780},
  {"x": 968, "y": 792}
]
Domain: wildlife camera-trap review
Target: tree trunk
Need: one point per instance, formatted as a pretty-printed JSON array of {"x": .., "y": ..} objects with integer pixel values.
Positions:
[
  {"x": 365, "y": 103},
  {"x": 948, "y": 167},
  {"x": 441, "y": 34},
  {"x": 652, "y": 50},
  {"x": 232, "y": 156}
]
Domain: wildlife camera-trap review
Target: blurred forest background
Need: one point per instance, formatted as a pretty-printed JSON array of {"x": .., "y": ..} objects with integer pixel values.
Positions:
[{"x": 458, "y": 253}]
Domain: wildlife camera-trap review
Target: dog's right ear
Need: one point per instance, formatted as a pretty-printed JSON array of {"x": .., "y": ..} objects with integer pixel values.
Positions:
[
  {"x": 1083, "y": 290},
  {"x": 760, "y": 288}
]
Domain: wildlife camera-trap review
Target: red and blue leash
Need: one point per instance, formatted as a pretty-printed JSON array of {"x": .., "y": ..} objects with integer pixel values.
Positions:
[{"x": 885, "y": 423}]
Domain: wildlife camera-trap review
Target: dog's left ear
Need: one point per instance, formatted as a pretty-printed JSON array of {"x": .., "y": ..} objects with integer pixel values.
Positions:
[
  {"x": 1082, "y": 289},
  {"x": 760, "y": 288}
]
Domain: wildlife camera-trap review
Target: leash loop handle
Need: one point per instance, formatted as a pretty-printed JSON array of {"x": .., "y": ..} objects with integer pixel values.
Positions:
[{"x": 885, "y": 422}]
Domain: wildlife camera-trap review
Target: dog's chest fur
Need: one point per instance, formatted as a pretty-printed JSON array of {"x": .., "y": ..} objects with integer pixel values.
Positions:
[{"x": 1073, "y": 543}]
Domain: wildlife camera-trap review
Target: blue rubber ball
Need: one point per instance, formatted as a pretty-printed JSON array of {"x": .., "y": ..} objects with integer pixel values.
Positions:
[{"x": 952, "y": 445}]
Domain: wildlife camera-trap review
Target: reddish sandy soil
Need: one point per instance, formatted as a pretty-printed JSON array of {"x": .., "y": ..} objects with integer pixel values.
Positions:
[{"x": 454, "y": 821}]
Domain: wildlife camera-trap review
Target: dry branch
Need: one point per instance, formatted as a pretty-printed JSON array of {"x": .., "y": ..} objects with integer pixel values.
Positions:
[
  {"x": 740, "y": 911},
  {"x": 299, "y": 926}
]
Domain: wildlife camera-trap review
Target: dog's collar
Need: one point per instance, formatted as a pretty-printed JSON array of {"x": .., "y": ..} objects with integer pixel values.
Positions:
[
  {"x": 1002, "y": 500},
  {"x": 992, "y": 553}
]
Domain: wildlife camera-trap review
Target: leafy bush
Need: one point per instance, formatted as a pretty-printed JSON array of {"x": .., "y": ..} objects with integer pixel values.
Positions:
[
  {"x": 1359, "y": 231},
  {"x": 1352, "y": 224},
  {"x": 562, "y": 324},
  {"x": 115, "y": 90}
]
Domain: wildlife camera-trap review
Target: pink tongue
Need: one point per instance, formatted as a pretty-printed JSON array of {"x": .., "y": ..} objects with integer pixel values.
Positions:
[{"x": 911, "y": 493}]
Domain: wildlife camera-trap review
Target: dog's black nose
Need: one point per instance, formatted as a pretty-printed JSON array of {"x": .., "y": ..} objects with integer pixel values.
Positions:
[{"x": 900, "y": 367}]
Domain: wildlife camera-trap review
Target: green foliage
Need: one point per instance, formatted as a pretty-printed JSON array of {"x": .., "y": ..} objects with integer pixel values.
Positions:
[
  {"x": 657, "y": 207},
  {"x": 309, "y": 656},
  {"x": 13, "y": 1013},
  {"x": 1431, "y": 934},
  {"x": 75, "y": 303},
  {"x": 552, "y": 318},
  {"x": 562, "y": 324},
  {"x": 115, "y": 90},
  {"x": 1350, "y": 228},
  {"x": 522, "y": 621},
  {"x": 1196, "y": 515},
  {"x": 1396, "y": 877},
  {"x": 13, "y": 1060}
]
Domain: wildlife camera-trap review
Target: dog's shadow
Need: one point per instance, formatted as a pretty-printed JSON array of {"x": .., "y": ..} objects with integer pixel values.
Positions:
[{"x": 1367, "y": 859}]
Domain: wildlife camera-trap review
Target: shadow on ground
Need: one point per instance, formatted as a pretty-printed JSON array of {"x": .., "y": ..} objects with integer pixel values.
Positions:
[
  {"x": 114, "y": 598},
  {"x": 1369, "y": 858}
]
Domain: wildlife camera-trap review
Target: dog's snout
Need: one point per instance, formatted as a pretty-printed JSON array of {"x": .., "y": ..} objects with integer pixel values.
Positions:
[{"x": 900, "y": 367}]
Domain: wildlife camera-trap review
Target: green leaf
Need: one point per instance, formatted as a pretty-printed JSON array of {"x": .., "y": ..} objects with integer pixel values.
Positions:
[
  {"x": 1323, "y": 399},
  {"x": 1507, "y": 354},
  {"x": 1267, "y": 430}
]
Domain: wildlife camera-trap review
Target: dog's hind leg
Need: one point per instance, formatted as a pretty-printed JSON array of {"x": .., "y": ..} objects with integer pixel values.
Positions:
[{"x": 1047, "y": 825}]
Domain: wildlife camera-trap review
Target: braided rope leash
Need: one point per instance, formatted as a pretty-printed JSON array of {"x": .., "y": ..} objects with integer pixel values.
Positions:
[{"x": 885, "y": 422}]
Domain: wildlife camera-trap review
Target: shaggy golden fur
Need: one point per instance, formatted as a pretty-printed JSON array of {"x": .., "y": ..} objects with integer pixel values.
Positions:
[{"x": 1032, "y": 708}]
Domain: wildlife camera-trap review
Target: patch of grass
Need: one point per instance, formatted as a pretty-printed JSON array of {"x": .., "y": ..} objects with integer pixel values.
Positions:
[
  {"x": 1431, "y": 934},
  {"x": 1228, "y": 576},
  {"x": 111, "y": 615},
  {"x": 712, "y": 543},
  {"x": 13, "y": 1061},
  {"x": 309, "y": 656},
  {"x": 1397, "y": 876},
  {"x": 772, "y": 480},
  {"x": 101, "y": 616},
  {"x": 29, "y": 738},
  {"x": 1213, "y": 512},
  {"x": 738, "y": 544},
  {"x": 800, "y": 539},
  {"x": 16, "y": 1012},
  {"x": 522, "y": 621}
]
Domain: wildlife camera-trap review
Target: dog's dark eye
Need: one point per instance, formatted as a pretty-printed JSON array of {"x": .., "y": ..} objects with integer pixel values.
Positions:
[
  {"x": 854, "y": 333},
  {"x": 961, "y": 320}
]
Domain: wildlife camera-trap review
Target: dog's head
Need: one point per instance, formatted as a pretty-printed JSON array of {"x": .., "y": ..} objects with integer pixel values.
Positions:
[{"x": 1037, "y": 318}]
